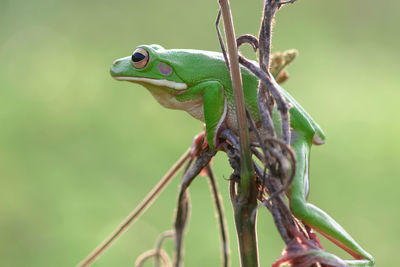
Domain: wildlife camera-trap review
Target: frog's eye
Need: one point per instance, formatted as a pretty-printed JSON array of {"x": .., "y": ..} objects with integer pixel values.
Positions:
[{"x": 140, "y": 58}]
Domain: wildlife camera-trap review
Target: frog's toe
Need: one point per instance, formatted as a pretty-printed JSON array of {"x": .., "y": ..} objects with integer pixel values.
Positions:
[{"x": 317, "y": 140}]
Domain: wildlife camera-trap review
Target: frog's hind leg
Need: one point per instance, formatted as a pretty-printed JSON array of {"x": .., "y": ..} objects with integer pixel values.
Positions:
[{"x": 315, "y": 217}]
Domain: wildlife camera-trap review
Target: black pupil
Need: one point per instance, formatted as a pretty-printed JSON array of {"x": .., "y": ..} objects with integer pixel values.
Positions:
[{"x": 136, "y": 57}]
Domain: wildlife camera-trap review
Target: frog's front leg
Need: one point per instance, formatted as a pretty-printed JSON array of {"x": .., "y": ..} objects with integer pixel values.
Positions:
[
  {"x": 312, "y": 215},
  {"x": 214, "y": 107}
]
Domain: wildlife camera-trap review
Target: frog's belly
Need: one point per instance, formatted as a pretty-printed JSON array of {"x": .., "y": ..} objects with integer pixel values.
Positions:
[
  {"x": 193, "y": 107},
  {"x": 196, "y": 110},
  {"x": 231, "y": 121}
]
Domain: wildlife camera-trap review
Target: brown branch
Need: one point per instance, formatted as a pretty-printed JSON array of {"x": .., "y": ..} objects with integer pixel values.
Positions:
[
  {"x": 246, "y": 199},
  {"x": 182, "y": 211},
  {"x": 246, "y": 170}
]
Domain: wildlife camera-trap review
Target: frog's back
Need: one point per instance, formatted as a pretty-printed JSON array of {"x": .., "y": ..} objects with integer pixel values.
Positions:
[
  {"x": 301, "y": 121},
  {"x": 196, "y": 66}
]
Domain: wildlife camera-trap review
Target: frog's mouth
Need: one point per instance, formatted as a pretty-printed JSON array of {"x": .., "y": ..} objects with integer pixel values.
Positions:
[{"x": 157, "y": 82}]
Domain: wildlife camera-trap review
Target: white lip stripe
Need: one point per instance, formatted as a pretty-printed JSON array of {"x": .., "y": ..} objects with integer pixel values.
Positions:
[{"x": 170, "y": 84}]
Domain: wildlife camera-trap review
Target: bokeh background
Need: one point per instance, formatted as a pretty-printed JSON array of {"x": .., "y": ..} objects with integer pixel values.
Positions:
[{"x": 78, "y": 150}]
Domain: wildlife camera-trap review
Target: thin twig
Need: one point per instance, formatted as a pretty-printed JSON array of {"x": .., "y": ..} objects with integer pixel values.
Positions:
[
  {"x": 221, "y": 41},
  {"x": 137, "y": 211},
  {"x": 220, "y": 216}
]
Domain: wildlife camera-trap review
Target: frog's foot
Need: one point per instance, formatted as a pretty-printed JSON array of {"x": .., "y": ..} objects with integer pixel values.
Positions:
[
  {"x": 313, "y": 236},
  {"x": 200, "y": 141},
  {"x": 360, "y": 263},
  {"x": 286, "y": 2},
  {"x": 304, "y": 253},
  {"x": 199, "y": 144}
]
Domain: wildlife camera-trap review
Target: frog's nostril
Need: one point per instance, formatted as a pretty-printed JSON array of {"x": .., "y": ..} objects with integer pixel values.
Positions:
[{"x": 116, "y": 62}]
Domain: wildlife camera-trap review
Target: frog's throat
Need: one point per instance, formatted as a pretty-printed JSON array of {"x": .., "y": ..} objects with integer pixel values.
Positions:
[{"x": 157, "y": 82}]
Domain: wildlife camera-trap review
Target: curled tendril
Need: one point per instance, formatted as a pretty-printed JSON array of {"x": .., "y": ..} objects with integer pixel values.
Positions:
[
  {"x": 247, "y": 39},
  {"x": 161, "y": 254}
]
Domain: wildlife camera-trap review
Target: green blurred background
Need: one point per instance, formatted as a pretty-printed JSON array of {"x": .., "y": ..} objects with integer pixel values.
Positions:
[{"x": 78, "y": 150}]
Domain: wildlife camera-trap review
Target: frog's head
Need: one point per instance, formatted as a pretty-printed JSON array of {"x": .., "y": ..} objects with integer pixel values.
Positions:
[{"x": 146, "y": 68}]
